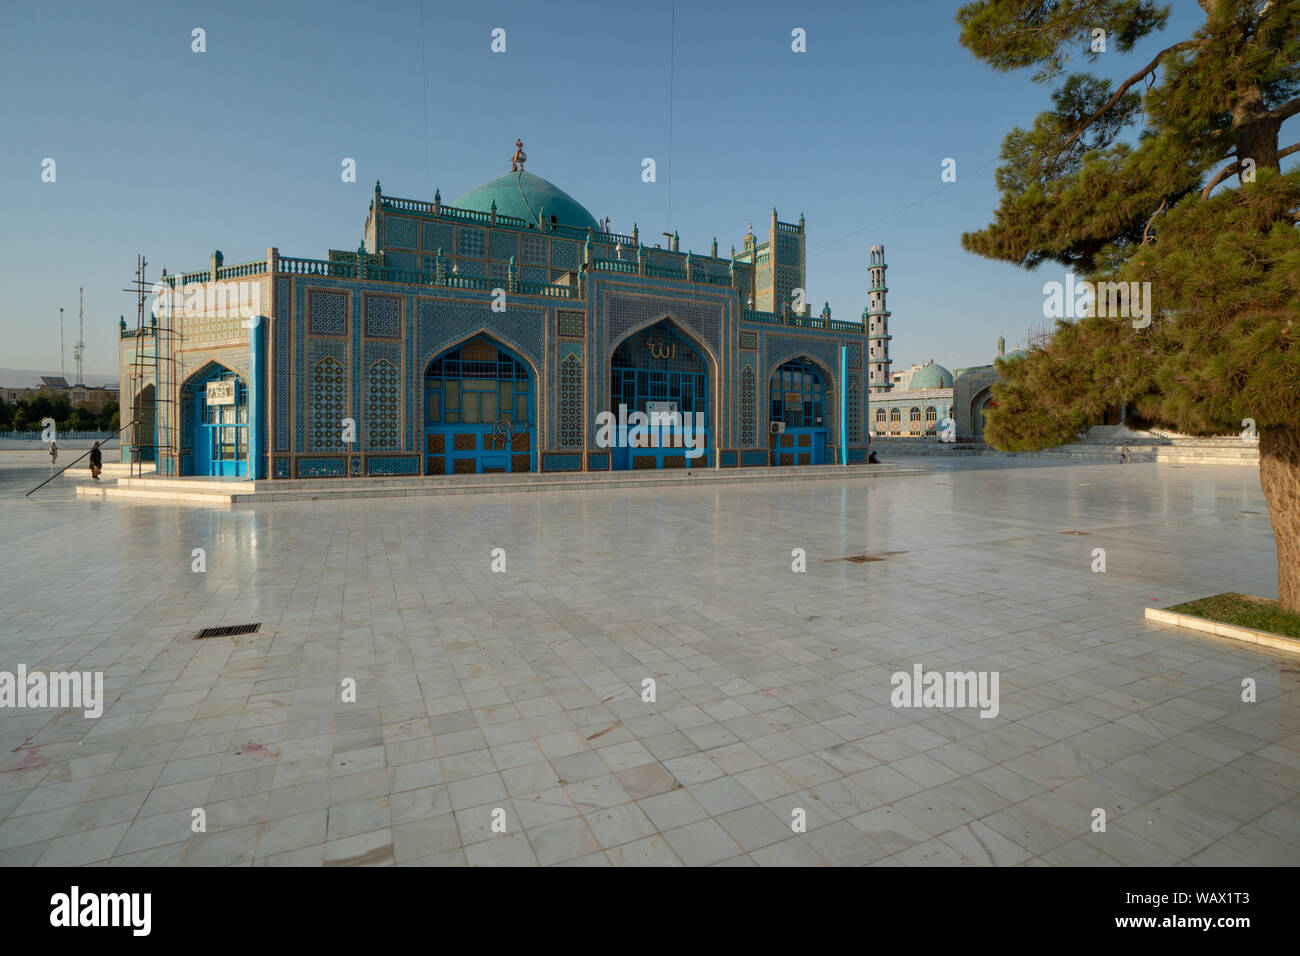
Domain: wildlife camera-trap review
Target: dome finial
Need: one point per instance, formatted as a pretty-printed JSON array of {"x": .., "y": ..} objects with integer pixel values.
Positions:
[{"x": 517, "y": 161}]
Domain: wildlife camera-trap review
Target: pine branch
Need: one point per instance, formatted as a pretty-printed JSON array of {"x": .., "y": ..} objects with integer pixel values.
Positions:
[
  {"x": 1124, "y": 88},
  {"x": 1219, "y": 177},
  {"x": 1146, "y": 230},
  {"x": 1288, "y": 151},
  {"x": 1286, "y": 110}
]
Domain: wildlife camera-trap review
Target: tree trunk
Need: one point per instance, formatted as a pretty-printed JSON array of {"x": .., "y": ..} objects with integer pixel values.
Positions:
[{"x": 1279, "y": 473}]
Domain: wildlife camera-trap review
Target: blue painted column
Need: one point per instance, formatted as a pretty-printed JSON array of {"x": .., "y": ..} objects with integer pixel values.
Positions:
[
  {"x": 844, "y": 404},
  {"x": 256, "y": 394}
]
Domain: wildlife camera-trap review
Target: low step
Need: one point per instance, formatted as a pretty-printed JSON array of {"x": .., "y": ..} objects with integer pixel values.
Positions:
[{"x": 220, "y": 493}]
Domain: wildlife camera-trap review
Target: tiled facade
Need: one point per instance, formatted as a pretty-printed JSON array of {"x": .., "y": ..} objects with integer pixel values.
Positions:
[{"x": 352, "y": 337}]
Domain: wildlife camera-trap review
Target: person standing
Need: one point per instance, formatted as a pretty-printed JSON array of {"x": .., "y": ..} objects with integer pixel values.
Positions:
[
  {"x": 1124, "y": 457},
  {"x": 96, "y": 461},
  {"x": 54, "y": 453}
]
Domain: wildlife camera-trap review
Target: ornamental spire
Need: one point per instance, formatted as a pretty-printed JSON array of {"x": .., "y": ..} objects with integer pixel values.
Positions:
[{"x": 517, "y": 161}]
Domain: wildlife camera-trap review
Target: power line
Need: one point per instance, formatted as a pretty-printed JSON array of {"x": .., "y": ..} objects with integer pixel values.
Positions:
[
  {"x": 672, "y": 64},
  {"x": 876, "y": 222},
  {"x": 424, "y": 87}
]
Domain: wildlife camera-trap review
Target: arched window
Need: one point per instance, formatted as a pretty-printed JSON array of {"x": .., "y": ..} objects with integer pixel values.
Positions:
[
  {"x": 914, "y": 421},
  {"x": 476, "y": 385},
  {"x": 798, "y": 395},
  {"x": 895, "y": 421},
  {"x": 661, "y": 366},
  {"x": 880, "y": 421},
  {"x": 931, "y": 420}
]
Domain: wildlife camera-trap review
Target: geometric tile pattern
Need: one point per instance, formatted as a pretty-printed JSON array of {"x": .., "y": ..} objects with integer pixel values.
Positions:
[
  {"x": 855, "y": 355},
  {"x": 437, "y": 235},
  {"x": 571, "y": 324},
  {"x": 505, "y": 245},
  {"x": 570, "y": 398},
  {"x": 748, "y": 412},
  {"x": 383, "y": 316},
  {"x": 563, "y": 462},
  {"x": 407, "y": 261},
  {"x": 749, "y": 340},
  {"x": 564, "y": 255},
  {"x": 535, "y": 249},
  {"x": 335, "y": 467},
  {"x": 401, "y": 232},
  {"x": 442, "y": 323},
  {"x": 327, "y": 391},
  {"x": 327, "y": 312},
  {"x": 626, "y": 312},
  {"x": 383, "y": 407},
  {"x": 283, "y": 322},
  {"x": 471, "y": 242},
  {"x": 397, "y": 465},
  {"x": 854, "y": 412}
]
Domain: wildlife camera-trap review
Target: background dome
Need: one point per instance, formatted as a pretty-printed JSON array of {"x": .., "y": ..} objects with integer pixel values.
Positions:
[
  {"x": 546, "y": 200},
  {"x": 931, "y": 376}
]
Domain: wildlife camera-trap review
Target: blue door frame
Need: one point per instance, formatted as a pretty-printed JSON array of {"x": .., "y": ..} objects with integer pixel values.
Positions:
[
  {"x": 480, "y": 411},
  {"x": 671, "y": 452},
  {"x": 221, "y": 431},
  {"x": 660, "y": 365},
  {"x": 798, "y": 397},
  {"x": 802, "y": 446}
]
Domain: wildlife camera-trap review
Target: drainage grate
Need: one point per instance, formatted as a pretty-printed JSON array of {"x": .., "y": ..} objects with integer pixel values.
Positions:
[{"x": 228, "y": 631}]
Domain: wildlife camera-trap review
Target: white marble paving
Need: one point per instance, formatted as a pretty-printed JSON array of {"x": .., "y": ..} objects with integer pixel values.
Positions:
[{"x": 521, "y": 691}]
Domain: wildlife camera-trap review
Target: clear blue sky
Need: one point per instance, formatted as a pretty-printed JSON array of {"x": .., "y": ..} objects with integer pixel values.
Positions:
[{"x": 173, "y": 153}]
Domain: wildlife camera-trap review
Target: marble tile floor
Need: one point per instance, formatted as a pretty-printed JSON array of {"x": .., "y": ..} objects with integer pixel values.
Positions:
[{"x": 517, "y": 696}]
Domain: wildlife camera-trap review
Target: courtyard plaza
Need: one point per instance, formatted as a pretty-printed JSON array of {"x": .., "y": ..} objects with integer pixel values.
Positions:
[{"x": 522, "y": 690}]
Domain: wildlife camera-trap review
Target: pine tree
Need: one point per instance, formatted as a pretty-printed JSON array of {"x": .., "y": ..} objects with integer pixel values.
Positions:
[{"x": 1220, "y": 355}]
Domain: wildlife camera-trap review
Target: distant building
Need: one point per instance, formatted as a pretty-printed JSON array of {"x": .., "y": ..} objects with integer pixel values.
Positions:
[
  {"x": 924, "y": 395},
  {"x": 918, "y": 408},
  {"x": 93, "y": 397}
]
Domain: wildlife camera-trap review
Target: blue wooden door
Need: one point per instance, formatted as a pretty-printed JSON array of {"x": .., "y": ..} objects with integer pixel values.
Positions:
[{"x": 221, "y": 430}]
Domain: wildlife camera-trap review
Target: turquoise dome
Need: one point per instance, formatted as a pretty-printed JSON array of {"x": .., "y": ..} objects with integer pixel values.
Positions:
[
  {"x": 1013, "y": 354},
  {"x": 931, "y": 376},
  {"x": 544, "y": 200}
]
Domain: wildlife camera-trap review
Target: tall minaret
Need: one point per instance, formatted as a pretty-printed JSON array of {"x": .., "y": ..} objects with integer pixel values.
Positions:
[{"x": 876, "y": 318}]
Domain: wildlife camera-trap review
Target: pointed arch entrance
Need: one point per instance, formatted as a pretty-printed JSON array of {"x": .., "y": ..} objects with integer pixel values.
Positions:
[
  {"x": 145, "y": 433},
  {"x": 479, "y": 411},
  {"x": 658, "y": 371},
  {"x": 798, "y": 391},
  {"x": 219, "y": 400}
]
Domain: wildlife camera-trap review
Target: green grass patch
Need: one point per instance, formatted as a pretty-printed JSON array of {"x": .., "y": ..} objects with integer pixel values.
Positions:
[{"x": 1242, "y": 610}]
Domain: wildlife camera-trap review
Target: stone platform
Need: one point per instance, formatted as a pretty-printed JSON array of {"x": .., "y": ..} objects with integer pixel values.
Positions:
[{"x": 219, "y": 492}]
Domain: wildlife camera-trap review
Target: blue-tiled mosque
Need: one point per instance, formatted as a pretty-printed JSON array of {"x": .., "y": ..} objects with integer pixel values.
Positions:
[{"x": 487, "y": 335}]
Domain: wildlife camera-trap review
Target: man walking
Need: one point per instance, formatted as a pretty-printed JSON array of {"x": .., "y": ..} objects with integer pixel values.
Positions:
[
  {"x": 1124, "y": 457},
  {"x": 96, "y": 461}
]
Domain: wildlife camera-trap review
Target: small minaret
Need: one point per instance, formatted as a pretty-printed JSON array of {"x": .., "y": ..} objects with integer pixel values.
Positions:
[
  {"x": 876, "y": 317},
  {"x": 1002, "y": 346}
]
